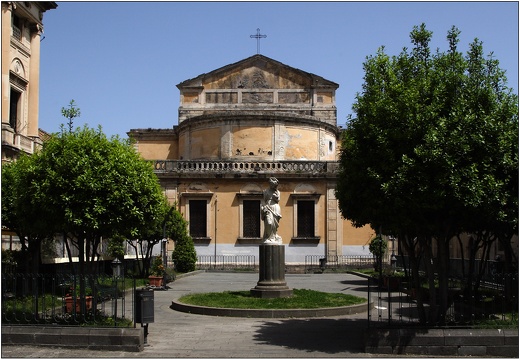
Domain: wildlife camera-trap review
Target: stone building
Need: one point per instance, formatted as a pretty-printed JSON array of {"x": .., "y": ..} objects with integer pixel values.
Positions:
[
  {"x": 239, "y": 125},
  {"x": 21, "y": 34}
]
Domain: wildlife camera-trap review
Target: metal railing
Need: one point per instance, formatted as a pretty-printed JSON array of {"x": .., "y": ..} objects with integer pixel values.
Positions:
[
  {"x": 460, "y": 268},
  {"x": 17, "y": 33},
  {"x": 320, "y": 262},
  {"x": 226, "y": 262},
  {"x": 394, "y": 303},
  {"x": 57, "y": 299}
]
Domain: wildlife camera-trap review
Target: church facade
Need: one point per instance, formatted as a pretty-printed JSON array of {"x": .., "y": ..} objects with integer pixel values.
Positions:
[{"x": 238, "y": 126}]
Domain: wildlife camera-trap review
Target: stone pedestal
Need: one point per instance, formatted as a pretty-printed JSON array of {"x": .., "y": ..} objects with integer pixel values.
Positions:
[{"x": 272, "y": 273}]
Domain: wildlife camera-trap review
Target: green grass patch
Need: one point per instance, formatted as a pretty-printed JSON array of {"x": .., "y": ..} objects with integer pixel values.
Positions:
[
  {"x": 507, "y": 320},
  {"x": 301, "y": 299},
  {"x": 367, "y": 271}
]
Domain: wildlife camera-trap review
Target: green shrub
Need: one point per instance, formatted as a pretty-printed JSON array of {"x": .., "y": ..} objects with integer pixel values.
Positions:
[
  {"x": 377, "y": 247},
  {"x": 184, "y": 255}
]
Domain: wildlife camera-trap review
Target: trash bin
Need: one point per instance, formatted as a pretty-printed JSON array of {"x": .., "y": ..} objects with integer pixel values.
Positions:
[
  {"x": 323, "y": 263},
  {"x": 144, "y": 311}
]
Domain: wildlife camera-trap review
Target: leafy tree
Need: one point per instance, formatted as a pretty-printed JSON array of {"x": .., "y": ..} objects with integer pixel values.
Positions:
[
  {"x": 85, "y": 185},
  {"x": 168, "y": 224},
  {"x": 21, "y": 213},
  {"x": 184, "y": 255},
  {"x": 377, "y": 247},
  {"x": 98, "y": 187},
  {"x": 71, "y": 113},
  {"x": 148, "y": 236},
  {"x": 432, "y": 153},
  {"x": 116, "y": 246}
]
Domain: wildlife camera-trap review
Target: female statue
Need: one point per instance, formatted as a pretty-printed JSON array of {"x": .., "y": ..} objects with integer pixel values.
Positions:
[{"x": 271, "y": 213}]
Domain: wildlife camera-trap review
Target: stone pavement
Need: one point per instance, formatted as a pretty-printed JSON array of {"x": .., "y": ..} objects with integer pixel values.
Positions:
[{"x": 176, "y": 334}]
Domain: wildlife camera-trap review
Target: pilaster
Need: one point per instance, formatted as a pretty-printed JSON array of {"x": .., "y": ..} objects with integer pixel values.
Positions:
[
  {"x": 334, "y": 241},
  {"x": 7, "y": 10},
  {"x": 34, "y": 81}
]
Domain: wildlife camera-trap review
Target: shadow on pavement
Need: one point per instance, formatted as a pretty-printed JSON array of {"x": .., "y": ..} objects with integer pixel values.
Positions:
[{"x": 323, "y": 335}]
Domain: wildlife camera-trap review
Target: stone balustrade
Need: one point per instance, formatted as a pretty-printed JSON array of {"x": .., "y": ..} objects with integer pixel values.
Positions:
[
  {"x": 19, "y": 141},
  {"x": 219, "y": 167}
]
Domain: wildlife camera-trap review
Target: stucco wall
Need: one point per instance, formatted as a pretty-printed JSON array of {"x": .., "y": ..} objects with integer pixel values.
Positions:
[
  {"x": 302, "y": 143},
  {"x": 163, "y": 149},
  {"x": 252, "y": 140},
  {"x": 204, "y": 143},
  {"x": 226, "y": 195}
]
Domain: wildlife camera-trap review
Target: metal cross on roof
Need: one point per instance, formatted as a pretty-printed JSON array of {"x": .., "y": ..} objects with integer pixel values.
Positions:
[{"x": 257, "y": 37}]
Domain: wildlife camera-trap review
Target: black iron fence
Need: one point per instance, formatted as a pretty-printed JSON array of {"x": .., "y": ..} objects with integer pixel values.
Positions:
[
  {"x": 226, "y": 262},
  {"x": 394, "y": 302},
  {"x": 320, "y": 262},
  {"x": 464, "y": 268},
  {"x": 66, "y": 300}
]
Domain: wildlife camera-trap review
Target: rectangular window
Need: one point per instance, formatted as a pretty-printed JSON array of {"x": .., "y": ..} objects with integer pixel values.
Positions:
[
  {"x": 198, "y": 218},
  {"x": 14, "y": 106},
  {"x": 305, "y": 219},
  {"x": 251, "y": 218},
  {"x": 17, "y": 27}
]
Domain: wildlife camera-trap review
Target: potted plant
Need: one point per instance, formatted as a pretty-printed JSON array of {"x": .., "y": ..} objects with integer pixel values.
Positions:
[
  {"x": 73, "y": 297},
  {"x": 392, "y": 278},
  {"x": 156, "y": 276}
]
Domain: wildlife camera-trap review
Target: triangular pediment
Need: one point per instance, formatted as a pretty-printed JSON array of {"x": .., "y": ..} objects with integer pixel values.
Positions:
[{"x": 257, "y": 72}]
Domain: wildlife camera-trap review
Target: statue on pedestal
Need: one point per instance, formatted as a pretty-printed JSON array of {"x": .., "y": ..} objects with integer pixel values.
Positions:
[
  {"x": 271, "y": 252},
  {"x": 271, "y": 213}
]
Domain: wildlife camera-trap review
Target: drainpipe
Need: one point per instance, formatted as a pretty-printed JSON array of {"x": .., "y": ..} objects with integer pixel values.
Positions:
[{"x": 215, "y": 254}]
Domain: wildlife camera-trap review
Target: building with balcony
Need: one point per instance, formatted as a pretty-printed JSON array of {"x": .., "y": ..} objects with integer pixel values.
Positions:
[
  {"x": 238, "y": 126},
  {"x": 22, "y": 27},
  {"x": 21, "y": 30}
]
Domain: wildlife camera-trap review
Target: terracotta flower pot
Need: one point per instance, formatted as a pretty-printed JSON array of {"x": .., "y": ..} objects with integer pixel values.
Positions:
[
  {"x": 156, "y": 281},
  {"x": 69, "y": 302}
]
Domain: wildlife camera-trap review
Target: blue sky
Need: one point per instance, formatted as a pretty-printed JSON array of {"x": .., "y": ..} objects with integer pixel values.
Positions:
[{"x": 121, "y": 61}]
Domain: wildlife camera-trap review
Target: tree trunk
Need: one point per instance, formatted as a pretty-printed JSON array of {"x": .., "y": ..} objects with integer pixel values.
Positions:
[
  {"x": 461, "y": 247},
  {"x": 443, "y": 259},
  {"x": 69, "y": 252},
  {"x": 82, "y": 273},
  {"x": 409, "y": 246},
  {"x": 430, "y": 275}
]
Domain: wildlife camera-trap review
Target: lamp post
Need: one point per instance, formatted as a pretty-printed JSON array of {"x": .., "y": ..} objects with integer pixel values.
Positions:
[
  {"x": 380, "y": 261},
  {"x": 116, "y": 268},
  {"x": 393, "y": 261},
  {"x": 165, "y": 259},
  {"x": 116, "y": 273},
  {"x": 393, "y": 258}
]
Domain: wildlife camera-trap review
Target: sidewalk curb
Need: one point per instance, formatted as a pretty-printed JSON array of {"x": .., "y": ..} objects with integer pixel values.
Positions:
[{"x": 269, "y": 313}]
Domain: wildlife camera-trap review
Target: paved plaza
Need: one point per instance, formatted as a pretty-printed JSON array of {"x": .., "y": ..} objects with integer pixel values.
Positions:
[{"x": 176, "y": 334}]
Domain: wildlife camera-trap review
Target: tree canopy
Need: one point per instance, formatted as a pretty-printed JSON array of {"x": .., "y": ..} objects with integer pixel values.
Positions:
[
  {"x": 86, "y": 185},
  {"x": 433, "y": 148},
  {"x": 169, "y": 224},
  {"x": 32, "y": 225}
]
